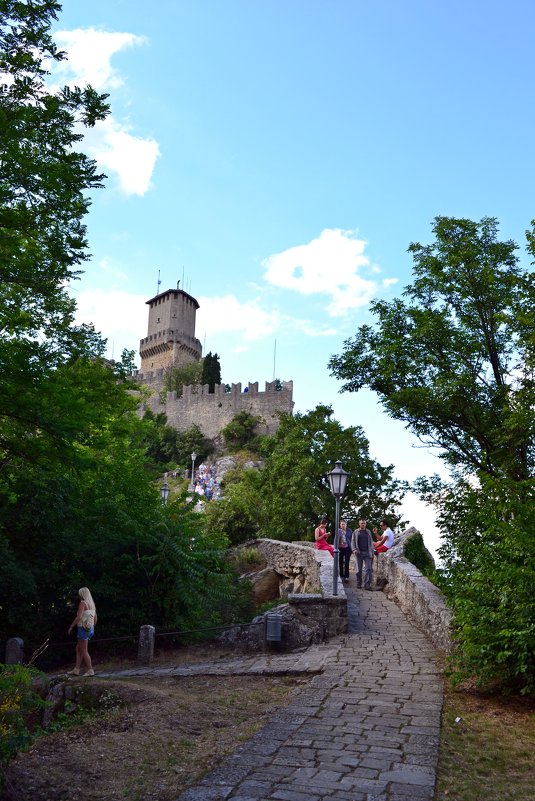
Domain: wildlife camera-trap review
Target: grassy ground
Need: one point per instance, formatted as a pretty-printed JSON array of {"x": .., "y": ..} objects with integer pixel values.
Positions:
[
  {"x": 487, "y": 748},
  {"x": 170, "y": 732}
]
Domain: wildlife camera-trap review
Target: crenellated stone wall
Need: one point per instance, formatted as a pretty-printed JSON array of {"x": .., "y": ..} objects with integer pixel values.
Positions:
[{"x": 213, "y": 411}]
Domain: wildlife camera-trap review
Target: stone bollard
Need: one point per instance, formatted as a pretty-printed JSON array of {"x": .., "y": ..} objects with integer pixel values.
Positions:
[
  {"x": 145, "y": 648},
  {"x": 14, "y": 651}
]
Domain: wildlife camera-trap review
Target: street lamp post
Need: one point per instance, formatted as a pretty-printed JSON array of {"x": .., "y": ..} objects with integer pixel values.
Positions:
[
  {"x": 337, "y": 482},
  {"x": 165, "y": 489},
  {"x": 193, "y": 458}
]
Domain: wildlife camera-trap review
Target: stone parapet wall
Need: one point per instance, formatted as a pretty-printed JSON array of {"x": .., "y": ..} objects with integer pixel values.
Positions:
[
  {"x": 295, "y": 563},
  {"x": 303, "y": 566},
  {"x": 421, "y": 601},
  {"x": 213, "y": 411}
]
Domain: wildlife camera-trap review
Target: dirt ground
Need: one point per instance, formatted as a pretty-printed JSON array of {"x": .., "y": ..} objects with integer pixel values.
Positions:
[{"x": 169, "y": 733}]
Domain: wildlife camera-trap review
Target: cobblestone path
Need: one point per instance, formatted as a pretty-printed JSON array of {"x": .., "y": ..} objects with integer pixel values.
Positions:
[{"x": 366, "y": 729}]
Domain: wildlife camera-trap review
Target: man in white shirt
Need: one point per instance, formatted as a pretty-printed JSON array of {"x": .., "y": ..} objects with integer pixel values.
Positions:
[{"x": 386, "y": 540}]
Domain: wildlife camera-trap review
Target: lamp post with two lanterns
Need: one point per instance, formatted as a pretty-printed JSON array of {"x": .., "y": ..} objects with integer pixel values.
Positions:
[{"x": 337, "y": 483}]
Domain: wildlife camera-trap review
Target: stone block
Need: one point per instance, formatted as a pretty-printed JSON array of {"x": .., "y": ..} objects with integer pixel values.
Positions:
[{"x": 14, "y": 651}]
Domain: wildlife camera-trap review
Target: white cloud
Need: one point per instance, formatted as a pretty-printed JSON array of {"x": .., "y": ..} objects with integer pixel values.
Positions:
[
  {"x": 314, "y": 331},
  {"x": 108, "y": 267},
  {"x": 111, "y": 142},
  {"x": 89, "y": 56},
  {"x": 328, "y": 265},
  {"x": 132, "y": 158},
  {"x": 120, "y": 317},
  {"x": 225, "y": 314}
]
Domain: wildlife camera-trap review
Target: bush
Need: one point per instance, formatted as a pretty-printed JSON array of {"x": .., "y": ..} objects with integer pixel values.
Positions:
[
  {"x": 415, "y": 551},
  {"x": 241, "y": 431},
  {"x": 18, "y": 703},
  {"x": 489, "y": 580}
]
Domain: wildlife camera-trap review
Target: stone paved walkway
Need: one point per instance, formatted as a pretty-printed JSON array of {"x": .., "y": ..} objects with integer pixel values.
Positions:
[{"x": 364, "y": 729}]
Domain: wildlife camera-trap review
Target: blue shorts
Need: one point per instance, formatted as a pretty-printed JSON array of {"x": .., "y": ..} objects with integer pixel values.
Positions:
[{"x": 83, "y": 634}]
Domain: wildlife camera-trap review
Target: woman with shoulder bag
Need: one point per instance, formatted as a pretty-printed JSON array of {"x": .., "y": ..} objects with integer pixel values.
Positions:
[
  {"x": 85, "y": 622},
  {"x": 344, "y": 550}
]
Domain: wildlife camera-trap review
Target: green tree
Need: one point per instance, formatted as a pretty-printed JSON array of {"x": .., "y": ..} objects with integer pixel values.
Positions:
[
  {"x": 77, "y": 506},
  {"x": 295, "y": 488},
  {"x": 176, "y": 378},
  {"x": 454, "y": 360},
  {"x": 488, "y": 576},
  {"x": 171, "y": 448},
  {"x": 211, "y": 371},
  {"x": 285, "y": 498},
  {"x": 127, "y": 364},
  {"x": 44, "y": 186},
  {"x": 241, "y": 432}
]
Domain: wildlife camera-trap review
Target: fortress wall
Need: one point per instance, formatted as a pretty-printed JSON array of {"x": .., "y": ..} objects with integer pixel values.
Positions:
[{"x": 212, "y": 412}]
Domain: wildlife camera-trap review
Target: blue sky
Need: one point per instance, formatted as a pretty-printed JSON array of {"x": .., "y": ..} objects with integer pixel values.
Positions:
[{"x": 278, "y": 156}]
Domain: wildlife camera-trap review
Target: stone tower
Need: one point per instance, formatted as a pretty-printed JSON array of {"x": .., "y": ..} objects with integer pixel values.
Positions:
[{"x": 170, "y": 340}]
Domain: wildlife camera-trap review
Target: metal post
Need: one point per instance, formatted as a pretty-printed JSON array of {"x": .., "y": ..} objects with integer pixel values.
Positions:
[
  {"x": 193, "y": 457},
  {"x": 336, "y": 566}
]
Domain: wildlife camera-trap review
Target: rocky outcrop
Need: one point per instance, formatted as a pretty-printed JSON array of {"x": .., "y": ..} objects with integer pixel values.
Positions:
[{"x": 265, "y": 584}]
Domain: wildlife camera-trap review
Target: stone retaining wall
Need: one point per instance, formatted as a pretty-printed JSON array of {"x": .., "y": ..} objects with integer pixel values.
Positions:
[
  {"x": 311, "y": 573},
  {"x": 312, "y": 613},
  {"x": 422, "y": 602}
]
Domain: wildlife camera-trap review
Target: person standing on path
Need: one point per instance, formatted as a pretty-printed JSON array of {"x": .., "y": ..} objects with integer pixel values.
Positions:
[
  {"x": 320, "y": 535},
  {"x": 362, "y": 544},
  {"x": 84, "y": 631},
  {"x": 387, "y": 539},
  {"x": 344, "y": 552}
]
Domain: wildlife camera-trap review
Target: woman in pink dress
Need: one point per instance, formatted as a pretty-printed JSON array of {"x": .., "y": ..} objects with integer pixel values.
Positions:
[{"x": 320, "y": 535}]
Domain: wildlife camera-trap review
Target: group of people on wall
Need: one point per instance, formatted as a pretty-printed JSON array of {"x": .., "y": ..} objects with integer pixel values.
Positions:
[{"x": 365, "y": 544}]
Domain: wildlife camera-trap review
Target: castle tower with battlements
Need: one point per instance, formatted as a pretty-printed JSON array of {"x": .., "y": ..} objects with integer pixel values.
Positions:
[{"x": 170, "y": 340}]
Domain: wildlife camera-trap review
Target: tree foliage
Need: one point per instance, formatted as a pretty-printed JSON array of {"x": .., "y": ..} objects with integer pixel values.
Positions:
[
  {"x": 77, "y": 506},
  {"x": 176, "y": 378},
  {"x": 168, "y": 448},
  {"x": 211, "y": 371},
  {"x": 455, "y": 358},
  {"x": 488, "y": 576},
  {"x": 44, "y": 185},
  {"x": 241, "y": 432},
  {"x": 285, "y": 498}
]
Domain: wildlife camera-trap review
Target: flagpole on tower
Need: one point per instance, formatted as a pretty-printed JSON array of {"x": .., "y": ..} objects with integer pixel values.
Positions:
[{"x": 159, "y": 282}]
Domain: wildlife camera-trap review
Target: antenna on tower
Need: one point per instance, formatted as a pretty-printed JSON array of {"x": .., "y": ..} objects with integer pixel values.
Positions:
[
  {"x": 274, "y": 358},
  {"x": 159, "y": 282}
]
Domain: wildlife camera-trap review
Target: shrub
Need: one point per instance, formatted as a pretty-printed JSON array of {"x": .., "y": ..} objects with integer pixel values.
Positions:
[
  {"x": 489, "y": 578},
  {"x": 415, "y": 551},
  {"x": 18, "y": 702}
]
